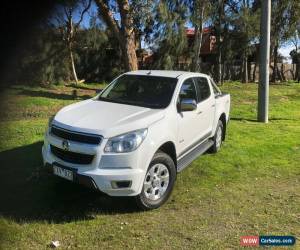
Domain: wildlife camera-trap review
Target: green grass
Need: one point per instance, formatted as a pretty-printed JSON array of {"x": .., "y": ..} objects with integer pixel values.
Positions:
[{"x": 251, "y": 187}]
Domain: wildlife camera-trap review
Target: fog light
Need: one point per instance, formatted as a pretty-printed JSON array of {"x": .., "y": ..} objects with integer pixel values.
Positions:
[{"x": 121, "y": 184}]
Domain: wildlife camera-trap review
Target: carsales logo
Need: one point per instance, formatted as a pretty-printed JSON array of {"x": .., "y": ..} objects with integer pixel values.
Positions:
[
  {"x": 249, "y": 241},
  {"x": 269, "y": 240}
]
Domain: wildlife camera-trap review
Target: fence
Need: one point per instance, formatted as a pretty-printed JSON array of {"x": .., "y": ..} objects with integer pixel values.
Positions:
[{"x": 234, "y": 72}]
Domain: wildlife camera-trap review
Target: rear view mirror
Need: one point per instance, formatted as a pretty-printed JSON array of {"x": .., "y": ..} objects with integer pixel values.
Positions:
[{"x": 188, "y": 105}]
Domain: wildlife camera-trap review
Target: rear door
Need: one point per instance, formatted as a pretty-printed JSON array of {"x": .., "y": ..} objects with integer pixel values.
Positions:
[{"x": 205, "y": 107}]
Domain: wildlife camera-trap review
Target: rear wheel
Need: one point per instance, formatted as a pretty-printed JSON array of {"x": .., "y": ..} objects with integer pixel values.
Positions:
[
  {"x": 218, "y": 138},
  {"x": 158, "y": 183}
]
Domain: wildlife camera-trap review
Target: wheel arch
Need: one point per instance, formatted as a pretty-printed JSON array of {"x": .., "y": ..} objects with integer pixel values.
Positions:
[{"x": 170, "y": 149}]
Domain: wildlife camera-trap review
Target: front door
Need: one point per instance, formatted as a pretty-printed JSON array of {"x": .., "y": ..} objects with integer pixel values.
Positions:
[{"x": 187, "y": 129}]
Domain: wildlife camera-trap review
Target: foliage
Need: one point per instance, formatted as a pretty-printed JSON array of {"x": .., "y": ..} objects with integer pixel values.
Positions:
[
  {"x": 295, "y": 56},
  {"x": 42, "y": 60},
  {"x": 124, "y": 29},
  {"x": 98, "y": 54},
  {"x": 169, "y": 34},
  {"x": 99, "y": 50},
  {"x": 285, "y": 15}
]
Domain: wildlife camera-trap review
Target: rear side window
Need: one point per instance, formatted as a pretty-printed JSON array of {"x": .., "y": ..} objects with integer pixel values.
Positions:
[
  {"x": 188, "y": 90},
  {"x": 202, "y": 88}
]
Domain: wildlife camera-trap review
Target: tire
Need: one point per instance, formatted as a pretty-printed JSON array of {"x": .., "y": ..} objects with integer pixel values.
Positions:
[
  {"x": 218, "y": 138},
  {"x": 158, "y": 183}
]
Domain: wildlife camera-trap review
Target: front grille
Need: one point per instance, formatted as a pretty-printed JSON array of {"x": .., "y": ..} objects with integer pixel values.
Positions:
[
  {"x": 75, "y": 136},
  {"x": 71, "y": 157}
]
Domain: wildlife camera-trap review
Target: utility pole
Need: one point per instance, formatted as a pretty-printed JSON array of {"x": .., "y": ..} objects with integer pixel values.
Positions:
[
  {"x": 264, "y": 57},
  {"x": 220, "y": 10}
]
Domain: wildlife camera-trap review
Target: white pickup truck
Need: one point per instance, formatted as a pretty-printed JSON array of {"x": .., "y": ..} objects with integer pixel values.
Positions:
[{"x": 136, "y": 135}]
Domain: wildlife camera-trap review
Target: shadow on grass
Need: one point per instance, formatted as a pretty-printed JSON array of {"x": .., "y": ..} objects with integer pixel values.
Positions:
[
  {"x": 29, "y": 192},
  {"x": 242, "y": 119},
  {"x": 83, "y": 87},
  {"x": 53, "y": 95},
  {"x": 254, "y": 120}
]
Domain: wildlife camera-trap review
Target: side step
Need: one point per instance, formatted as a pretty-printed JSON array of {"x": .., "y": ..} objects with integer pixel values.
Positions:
[{"x": 191, "y": 156}]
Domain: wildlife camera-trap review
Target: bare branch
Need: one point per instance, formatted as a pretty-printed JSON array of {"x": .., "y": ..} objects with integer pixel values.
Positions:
[
  {"x": 83, "y": 13},
  {"x": 66, "y": 11}
]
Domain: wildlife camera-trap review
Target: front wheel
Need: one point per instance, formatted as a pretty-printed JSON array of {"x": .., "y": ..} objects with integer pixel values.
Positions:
[
  {"x": 158, "y": 183},
  {"x": 218, "y": 138}
]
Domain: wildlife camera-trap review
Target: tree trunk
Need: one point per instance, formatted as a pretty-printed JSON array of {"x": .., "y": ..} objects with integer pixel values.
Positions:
[
  {"x": 229, "y": 71},
  {"x": 198, "y": 40},
  {"x": 128, "y": 35},
  {"x": 220, "y": 67},
  {"x": 254, "y": 72},
  {"x": 223, "y": 72},
  {"x": 246, "y": 71},
  {"x": 275, "y": 53},
  {"x": 219, "y": 59},
  {"x": 293, "y": 72},
  {"x": 298, "y": 72},
  {"x": 196, "y": 51},
  {"x": 125, "y": 34},
  {"x": 282, "y": 72},
  {"x": 245, "y": 68},
  {"x": 70, "y": 47},
  {"x": 73, "y": 64},
  {"x": 128, "y": 50}
]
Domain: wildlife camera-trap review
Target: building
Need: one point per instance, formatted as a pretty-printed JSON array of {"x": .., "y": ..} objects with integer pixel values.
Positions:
[{"x": 208, "y": 46}]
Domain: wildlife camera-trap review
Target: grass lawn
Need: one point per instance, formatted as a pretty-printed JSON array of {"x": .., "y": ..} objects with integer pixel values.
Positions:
[{"x": 251, "y": 187}]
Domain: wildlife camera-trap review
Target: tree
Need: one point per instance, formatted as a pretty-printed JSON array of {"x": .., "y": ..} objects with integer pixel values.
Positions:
[
  {"x": 295, "y": 55},
  {"x": 199, "y": 12},
  {"x": 295, "y": 40},
  {"x": 218, "y": 19},
  {"x": 245, "y": 25},
  {"x": 220, "y": 23},
  {"x": 285, "y": 14},
  {"x": 43, "y": 58},
  {"x": 69, "y": 27},
  {"x": 169, "y": 41},
  {"x": 99, "y": 55},
  {"x": 123, "y": 30}
]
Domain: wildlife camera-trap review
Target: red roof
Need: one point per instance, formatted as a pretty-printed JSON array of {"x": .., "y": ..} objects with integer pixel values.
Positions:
[{"x": 191, "y": 31}]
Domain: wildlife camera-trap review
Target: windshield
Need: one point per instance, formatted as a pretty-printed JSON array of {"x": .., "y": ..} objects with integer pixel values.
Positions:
[{"x": 140, "y": 90}]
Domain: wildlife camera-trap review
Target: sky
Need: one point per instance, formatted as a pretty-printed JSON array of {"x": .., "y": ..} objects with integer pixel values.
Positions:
[{"x": 285, "y": 51}]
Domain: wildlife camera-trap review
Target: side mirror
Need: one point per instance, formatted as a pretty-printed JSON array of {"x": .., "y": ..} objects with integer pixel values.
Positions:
[{"x": 187, "y": 105}]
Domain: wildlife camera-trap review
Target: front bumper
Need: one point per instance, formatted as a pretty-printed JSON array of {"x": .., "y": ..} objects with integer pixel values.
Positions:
[{"x": 104, "y": 171}]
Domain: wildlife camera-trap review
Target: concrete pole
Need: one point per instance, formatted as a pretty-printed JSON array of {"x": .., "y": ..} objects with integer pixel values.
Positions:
[{"x": 264, "y": 58}]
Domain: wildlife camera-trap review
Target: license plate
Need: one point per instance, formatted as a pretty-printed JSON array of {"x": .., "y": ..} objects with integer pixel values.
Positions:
[{"x": 64, "y": 173}]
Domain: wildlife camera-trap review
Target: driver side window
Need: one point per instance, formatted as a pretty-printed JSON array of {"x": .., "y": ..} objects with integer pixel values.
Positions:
[{"x": 188, "y": 90}]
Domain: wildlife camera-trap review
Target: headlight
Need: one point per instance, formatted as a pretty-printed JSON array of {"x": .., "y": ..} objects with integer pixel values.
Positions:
[{"x": 126, "y": 142}]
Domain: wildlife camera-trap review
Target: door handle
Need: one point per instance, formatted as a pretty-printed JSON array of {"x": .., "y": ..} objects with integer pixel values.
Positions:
[
  {"x": 213, "y": 105},
  {"x": 199, "y": 112}
]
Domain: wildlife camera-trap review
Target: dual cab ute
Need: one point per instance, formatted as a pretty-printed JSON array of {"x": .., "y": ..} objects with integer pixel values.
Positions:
[{"x": 136, "y": 135}]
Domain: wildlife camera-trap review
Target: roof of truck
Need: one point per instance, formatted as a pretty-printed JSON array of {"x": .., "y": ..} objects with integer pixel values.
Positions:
[{"x": 164, "y": 73}]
